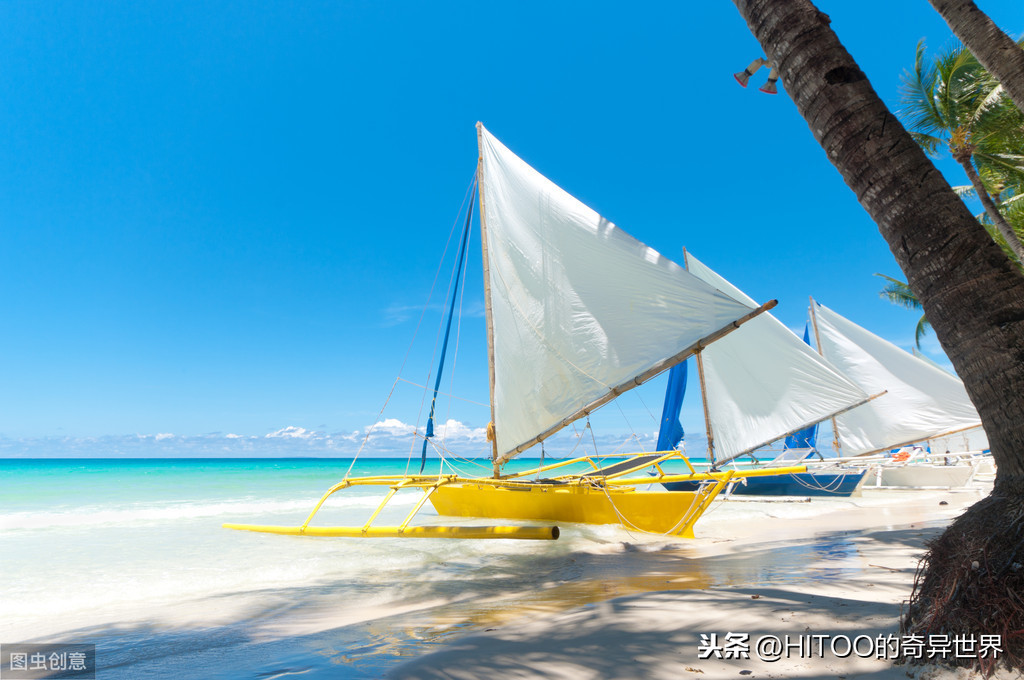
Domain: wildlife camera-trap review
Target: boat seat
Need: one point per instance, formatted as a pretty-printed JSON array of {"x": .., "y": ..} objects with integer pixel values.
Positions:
[{"x": 629, "y": 464}]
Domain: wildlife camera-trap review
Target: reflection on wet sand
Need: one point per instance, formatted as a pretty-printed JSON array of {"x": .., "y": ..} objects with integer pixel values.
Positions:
[{"x": 586, "y": 579}]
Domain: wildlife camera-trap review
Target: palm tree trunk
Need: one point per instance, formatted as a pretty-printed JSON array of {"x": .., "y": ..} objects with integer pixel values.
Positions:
[
  {"x": 996, "y": 51},
  {"x": 990, "y": 207},
  {"x": 970, "y": 292}
]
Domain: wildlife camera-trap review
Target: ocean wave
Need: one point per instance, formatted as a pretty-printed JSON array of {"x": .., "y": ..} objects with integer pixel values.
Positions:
[{"x": 158, "y": 512}]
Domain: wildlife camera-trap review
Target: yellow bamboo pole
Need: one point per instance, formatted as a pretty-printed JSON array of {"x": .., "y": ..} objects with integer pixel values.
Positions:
[
  {"x": 416, "y": 508},
  {"x": 337, "y": 487},
  {"x": 553, "y": 466},
  {"x": 698, "y": 511},
  {"x": 702, "y": 476},
  {"x": 536, "y": 533},
  {"x": 391, "y": 493}
]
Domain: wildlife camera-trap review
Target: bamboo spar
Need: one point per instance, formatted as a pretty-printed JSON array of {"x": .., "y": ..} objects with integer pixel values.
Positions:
[{"x": 527, "y": 533}]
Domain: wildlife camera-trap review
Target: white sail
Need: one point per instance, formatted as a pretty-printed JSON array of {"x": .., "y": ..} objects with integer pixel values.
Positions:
[
  {"x": 972, "y": 439},
  {"x": 922, "y": 401},
  {"x": 578, "y": 306},
  {"x": 762, "y": 382}
]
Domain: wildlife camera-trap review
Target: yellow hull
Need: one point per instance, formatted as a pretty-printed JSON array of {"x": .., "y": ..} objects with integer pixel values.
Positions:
[{"x": 651, "y": 511}]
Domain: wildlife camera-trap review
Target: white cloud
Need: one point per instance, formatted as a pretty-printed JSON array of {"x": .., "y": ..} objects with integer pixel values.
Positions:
[
  {"x": 397, "y": 314},
  {"x": 390, "y": 427},
  {"x": 292, "y": 432},
  {"x": 390, "y": 437},
  {"x": 453, "y": 429}
]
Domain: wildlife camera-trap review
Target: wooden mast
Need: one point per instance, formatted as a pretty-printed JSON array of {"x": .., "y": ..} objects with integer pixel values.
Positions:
[
  {"x": 703, "y": 393},
  {"x": 704, "y": 401},
  {"x": 492, "y": 433},
  {"x": 817, "y": 340}
]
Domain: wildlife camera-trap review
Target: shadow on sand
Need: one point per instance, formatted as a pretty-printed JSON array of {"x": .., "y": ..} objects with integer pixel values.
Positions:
[{"x": 337, "y": 630}]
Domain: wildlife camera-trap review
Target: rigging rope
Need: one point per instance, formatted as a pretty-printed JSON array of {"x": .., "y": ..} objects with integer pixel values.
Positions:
[
  {"x": 412, "y": 341},
  {"x": 447, "y": 331},
  {"x": 458, "y": 337}
]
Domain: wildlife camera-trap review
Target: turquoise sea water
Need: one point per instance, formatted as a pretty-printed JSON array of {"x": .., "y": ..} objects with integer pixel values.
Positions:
[{"x": 131, "y": 555}]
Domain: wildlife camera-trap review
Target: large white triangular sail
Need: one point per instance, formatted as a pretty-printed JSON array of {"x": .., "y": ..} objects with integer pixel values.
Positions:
[
  {"x": 578, "y": 307},
  {"x": 762, "y": 382},
  {"x": 922, "y": 401}
]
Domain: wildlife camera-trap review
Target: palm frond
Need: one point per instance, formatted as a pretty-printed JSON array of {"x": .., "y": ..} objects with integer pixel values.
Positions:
[
  {"x": 929, "y": 143},
  {"x": 965, "y": 191},
  {"x": 989, "y": 101},
  {"x": 919, "y": 111},
  {"x": 898, "y": 293},
  {"x": 922, "y": 327}
]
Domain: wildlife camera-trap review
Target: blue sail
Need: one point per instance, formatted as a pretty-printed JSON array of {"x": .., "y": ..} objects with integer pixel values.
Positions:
[
  {"x": 805, "y": 438},
  {"x": 671, "y": 431}
]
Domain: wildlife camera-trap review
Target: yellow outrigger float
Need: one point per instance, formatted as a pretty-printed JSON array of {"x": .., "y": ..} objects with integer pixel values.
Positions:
[
  {"x": 605, "y": 496},
  {"x": 578, "y": 312}
]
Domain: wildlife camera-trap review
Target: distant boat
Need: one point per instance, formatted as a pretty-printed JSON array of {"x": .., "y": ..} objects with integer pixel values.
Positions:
[
  {"x": 577, "y": 312},
  {"x": 761, "y": 384},
  {"x": 923, "y": 405}
]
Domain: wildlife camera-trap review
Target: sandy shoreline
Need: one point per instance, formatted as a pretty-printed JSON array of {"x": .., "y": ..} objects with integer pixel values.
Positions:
[
  {"x": 598, "y": 603},
  {"x": 863, "y": 555}
]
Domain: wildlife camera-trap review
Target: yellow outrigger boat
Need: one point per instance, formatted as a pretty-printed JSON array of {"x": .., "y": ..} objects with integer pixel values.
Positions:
[
  {"x": 606, "y": 496},
  {"x": 578, "y": 312}
]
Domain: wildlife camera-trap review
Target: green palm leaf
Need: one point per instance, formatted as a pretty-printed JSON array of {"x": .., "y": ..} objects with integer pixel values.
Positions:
[
  {"x": 899, "y": 293},
  {"x": 951, "y": 102}
]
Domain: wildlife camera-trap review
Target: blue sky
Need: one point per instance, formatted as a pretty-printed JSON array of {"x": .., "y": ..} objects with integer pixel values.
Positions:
[{"x": 225, "y": 218}]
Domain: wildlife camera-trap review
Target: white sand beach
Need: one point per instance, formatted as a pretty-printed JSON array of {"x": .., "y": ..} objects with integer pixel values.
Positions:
[
  {"x": 164, "y": 592},
  {"x": 864, "y": 552}
]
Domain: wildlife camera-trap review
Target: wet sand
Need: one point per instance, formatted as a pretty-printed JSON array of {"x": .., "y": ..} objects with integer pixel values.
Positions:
[{"x": 844, "y": 573}]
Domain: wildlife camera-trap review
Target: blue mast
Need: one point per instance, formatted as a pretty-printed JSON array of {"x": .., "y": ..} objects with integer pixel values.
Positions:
[
  {"x": 805, "y": 438},
  {"x": 671, "y": 430},
  {"x": 447, "y": 330}
]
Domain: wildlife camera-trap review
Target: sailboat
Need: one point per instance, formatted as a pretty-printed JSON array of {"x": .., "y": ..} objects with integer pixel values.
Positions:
[
  {"x": 760, "y": 385},
  {"x": 577, "y": 312},
  {"x": 923, "y": 405}
]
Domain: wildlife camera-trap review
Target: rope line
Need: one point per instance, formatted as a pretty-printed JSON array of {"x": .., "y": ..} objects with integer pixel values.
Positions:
[{"x": 419, "y": 322}]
